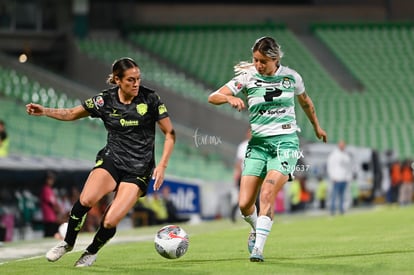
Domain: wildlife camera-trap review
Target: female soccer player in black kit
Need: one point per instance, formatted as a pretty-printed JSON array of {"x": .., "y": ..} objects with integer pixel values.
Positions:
[{"x": 126, "y": 164}]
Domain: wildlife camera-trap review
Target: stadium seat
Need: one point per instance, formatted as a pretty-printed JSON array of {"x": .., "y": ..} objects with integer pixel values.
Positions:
[{"x": 386, "y": 102}]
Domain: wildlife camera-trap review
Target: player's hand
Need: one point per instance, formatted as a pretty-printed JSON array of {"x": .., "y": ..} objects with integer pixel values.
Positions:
[
  {"x": 321, "y": 134},
  {"x": 236, "y": 103},
  {"x": 158, "y": 177},
  {"x": 34, "y": 109}
]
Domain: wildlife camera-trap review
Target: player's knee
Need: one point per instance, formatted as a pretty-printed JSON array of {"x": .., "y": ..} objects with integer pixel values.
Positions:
[
  {"x": 86, "y": 203},
  {"x": 245, "y": 206},
  {"x": 110, "y": 222}
]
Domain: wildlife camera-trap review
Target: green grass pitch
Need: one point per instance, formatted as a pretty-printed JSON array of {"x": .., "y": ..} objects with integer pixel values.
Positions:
[{"x": 375, "y": 241}]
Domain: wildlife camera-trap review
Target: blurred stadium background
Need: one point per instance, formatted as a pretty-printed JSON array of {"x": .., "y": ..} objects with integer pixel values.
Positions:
[{"x": 356, "y": 57}]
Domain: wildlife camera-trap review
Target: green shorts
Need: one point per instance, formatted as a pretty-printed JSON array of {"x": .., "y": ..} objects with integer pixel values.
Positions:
[{"x": 279, "y": 153}]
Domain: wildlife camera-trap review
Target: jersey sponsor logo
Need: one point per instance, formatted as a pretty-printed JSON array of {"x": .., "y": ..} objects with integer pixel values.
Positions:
[
  {"x": 272, "y": 112},
  {"x": 142, "y": 109},
  {"x": 114, "y": 113},
  {"x": 127, "y": 123},
  {"x": 262, "y": 83},
  {"x": 162, "y": 109},
  {"x": 89, "y": 103},
  {"x": 286, "y": 126},
  {"x": 98, "y": 101}
]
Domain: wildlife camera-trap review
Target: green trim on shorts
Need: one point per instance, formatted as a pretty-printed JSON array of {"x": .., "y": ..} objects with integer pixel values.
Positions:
[{"x": 278, "y": 153}]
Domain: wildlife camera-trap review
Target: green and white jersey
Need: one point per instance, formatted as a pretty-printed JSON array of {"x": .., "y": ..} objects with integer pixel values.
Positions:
[{"x": 270, "y": 99}]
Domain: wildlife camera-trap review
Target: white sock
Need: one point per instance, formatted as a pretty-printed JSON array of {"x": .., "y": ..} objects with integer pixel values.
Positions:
[
  {"x": 263, "y": 227},
  {"x": 252, "y": 219}
]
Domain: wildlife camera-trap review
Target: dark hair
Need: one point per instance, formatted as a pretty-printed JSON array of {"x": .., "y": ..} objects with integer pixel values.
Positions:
[
  {"x": 268, "y": 47},
  {"x": 119, "y": 67}
]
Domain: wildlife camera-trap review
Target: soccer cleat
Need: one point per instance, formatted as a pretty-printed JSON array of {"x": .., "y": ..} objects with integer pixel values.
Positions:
[
  {"x": 87, "y": 259},
  {"x": 251, "y": 241},
  {"x": 58, "y": 251},
  {"x": 256, "y": 255}
]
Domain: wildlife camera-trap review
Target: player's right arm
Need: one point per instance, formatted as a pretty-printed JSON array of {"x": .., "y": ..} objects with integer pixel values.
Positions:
[
  {"x": 225, "y": 95},
  {"x": 65, "y": 114}
]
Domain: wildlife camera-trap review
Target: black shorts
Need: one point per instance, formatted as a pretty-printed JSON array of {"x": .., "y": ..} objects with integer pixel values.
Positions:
[{"x": 142, "y": 181}]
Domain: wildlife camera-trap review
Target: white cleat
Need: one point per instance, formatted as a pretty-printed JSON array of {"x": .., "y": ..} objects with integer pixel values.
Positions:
[
  {"x": 87, "y": 259},
  {"x": 256, "y": 256},
  {"x": 58, "y": 251}
]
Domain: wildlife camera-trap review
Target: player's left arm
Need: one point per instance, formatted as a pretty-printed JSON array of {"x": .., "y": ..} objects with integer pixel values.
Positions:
[
  {"x": 307, "y": 105},
  {"x": 167, "y": 128}
]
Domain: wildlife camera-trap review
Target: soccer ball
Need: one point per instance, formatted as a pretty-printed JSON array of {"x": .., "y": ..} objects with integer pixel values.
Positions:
[{"x": 171, "y": 242}]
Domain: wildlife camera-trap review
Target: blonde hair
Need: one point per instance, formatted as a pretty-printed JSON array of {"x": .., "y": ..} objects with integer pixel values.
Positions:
[
  {"x": 242, "y": 66},
  {"x": 266, "y": 46}
]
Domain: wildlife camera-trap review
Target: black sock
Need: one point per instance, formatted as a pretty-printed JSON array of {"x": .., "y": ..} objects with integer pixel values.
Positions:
[
  {"x": 76, "y": 219},
  {"x": 101, "y": 238}
]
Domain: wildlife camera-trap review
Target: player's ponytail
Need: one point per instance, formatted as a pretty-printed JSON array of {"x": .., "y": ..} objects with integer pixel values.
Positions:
[{"x": 242, "y": 66}]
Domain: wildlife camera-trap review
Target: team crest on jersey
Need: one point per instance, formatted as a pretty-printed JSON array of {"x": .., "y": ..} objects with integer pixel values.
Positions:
[
  {"x": 286, "y": 83},
  {"x": 98, "y": 101},
  {"x": 162, "y": 109},
  {"x": 142, "y": 109}
]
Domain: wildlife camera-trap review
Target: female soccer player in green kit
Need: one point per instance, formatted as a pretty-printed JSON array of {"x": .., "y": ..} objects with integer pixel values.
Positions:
[{"x": 271, "y": 156}]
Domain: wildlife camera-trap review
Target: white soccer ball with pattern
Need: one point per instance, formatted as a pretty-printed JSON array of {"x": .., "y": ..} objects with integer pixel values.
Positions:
[{"x": 171, "y": 242}]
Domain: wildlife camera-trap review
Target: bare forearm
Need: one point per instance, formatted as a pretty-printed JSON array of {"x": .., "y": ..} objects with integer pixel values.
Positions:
[
  {"x": 218, "y": 98},
  {"x": 309, "y": 109},
  {"x": 224, "y": 95},
  {"x": 59, "y": 114},
  {"x": 168, "y": 149}
]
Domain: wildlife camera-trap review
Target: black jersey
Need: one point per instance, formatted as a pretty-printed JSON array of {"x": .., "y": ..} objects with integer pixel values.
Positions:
[{"x": 131, "y": 127}]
